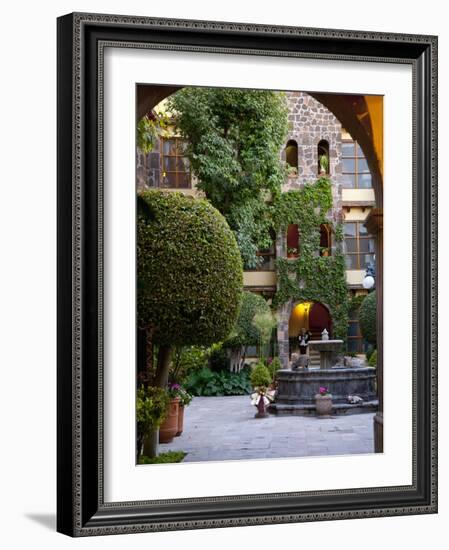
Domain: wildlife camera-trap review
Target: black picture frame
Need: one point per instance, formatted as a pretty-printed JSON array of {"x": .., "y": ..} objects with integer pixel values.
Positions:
[{"x": 81, "y": 510}]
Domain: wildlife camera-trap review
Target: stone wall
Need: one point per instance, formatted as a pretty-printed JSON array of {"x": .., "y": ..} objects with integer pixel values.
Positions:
[{"x": 148, "y": 168}]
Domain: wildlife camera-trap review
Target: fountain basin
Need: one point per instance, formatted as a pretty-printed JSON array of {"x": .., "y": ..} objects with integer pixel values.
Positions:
[{"x": 297, "y": 389}]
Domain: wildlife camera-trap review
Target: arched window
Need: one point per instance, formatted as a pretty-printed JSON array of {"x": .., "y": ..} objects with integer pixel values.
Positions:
[
  {"x": 325, "y": 239},
  {"x": 291, "y": 155},
  {"x": 323, "y": 157},
  {"x": 292, "y": 241}
]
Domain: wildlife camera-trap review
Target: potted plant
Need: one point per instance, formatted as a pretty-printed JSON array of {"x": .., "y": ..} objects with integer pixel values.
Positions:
[
  {"x": 151, "y": 409},
  {"x": 323, "y": 402},
  {"x": 292, "y": 252},
  {"x": 323, "y": 161},
  {"x": 260, "y": 380},
  {"x": 169, "y": 427}
]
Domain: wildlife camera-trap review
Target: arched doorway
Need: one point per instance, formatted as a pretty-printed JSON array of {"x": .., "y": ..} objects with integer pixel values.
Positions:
[
  {"x": 319, "y": 319},
  {"x": 313, "y": 316}
]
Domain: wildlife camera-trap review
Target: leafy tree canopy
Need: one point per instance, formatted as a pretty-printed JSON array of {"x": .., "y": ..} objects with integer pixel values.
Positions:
[
  {"x": 189, "y": 270},
  {"x": 245, "y": 333},
  {"x": 234, "y": 139}
]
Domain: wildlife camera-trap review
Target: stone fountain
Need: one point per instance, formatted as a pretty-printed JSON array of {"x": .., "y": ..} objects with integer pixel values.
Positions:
[
  {"x": 298, "y": 385},
  {"x": 329, "y": 351}
]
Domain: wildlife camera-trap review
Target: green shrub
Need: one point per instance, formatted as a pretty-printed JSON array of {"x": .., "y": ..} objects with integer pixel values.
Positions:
[
  {"x": 273, "y": 366},
  {"x": 372, "y": 362},
  {"x": 369, "y": 352},
  {"x": 208, "y": 383},
  {"x": 186, "y": 360},
  {"x": 151, "y": 408},
  {"x": 164, "y": 458},
  {"x": 260, "y": 376},
  {"x": 367, "y": 318}
]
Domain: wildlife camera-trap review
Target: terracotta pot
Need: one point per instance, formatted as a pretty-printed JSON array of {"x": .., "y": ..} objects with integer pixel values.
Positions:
[
  {"x": 323, "y": 404},
  {"x": 169, "y": 426},
  {"x": 180, "y": 420},
  {"x": 261, "y": 409}
]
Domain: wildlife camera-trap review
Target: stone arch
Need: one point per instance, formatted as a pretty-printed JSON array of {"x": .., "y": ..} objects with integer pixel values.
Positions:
[{"x": 284, "y": 326}]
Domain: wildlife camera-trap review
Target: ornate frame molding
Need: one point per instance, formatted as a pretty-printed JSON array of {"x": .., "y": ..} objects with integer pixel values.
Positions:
[{"x": 81, "y": 41}]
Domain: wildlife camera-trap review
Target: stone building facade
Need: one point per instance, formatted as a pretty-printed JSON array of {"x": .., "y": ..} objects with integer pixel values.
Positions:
[{"x": 313, "y": 130}]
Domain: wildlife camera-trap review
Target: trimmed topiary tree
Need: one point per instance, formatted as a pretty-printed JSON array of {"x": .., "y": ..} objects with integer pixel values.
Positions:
[
  {"x": 367, "y": 318},
  {"x": 245, "y": 333},
  {"x": 189, "y": 276},
  {"x": 260, "y": 377}
]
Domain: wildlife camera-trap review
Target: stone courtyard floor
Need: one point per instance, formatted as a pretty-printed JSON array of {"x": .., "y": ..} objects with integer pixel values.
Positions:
[{"x": 224, "y": 428}]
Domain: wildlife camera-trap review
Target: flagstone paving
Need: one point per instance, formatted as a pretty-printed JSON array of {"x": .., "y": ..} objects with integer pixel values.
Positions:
[{"x": 224, "y": 428}]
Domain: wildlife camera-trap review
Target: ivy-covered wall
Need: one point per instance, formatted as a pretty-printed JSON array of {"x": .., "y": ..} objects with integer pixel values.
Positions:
[{"x": 310, "y": 277}]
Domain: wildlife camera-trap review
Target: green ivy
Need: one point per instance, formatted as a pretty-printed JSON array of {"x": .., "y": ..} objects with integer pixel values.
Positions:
[{"x": 311, "y": 277}]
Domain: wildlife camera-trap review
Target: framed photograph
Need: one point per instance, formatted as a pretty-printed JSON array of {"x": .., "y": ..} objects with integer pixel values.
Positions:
[{"x": 247, "y": 278}]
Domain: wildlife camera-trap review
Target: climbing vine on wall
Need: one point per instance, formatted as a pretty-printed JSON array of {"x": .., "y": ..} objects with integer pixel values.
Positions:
[{"x": 312, "y": 277}]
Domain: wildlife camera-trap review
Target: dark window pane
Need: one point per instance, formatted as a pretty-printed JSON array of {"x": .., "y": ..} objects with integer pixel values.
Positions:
[
  {"x": 169, "y": 164},
  {"x": 349, "y": 181},
  {"x": 366, "y": 260},
  {"x": 350, "y": 229},
  {"x": 351, "y": 261},
  {"x": 362, "y": 229},
  {"x": 169, "y": 147},
  {"x": 347, "y": 149},
  {"x": 168, "y": 179},
  {"x": 351, "y": 245},
  {"x": 348, "y": 165},
  {"x": 184, "y": 180},
  {"x": 353, "y": 328},
  {"x": 183, "y": 164},
  {"x": 362, "y": 165},
  {"x": 364, "y": 181},
  {"x": 367, "y": 245}
]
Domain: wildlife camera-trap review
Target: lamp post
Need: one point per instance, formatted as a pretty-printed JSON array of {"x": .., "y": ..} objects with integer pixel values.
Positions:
[{"x": 370, "y": 277}]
